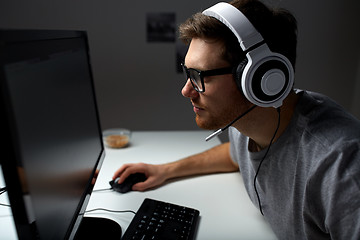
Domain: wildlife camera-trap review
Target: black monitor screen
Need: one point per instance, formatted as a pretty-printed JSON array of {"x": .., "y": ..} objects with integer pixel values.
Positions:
[{"x": 53, "y": 129}]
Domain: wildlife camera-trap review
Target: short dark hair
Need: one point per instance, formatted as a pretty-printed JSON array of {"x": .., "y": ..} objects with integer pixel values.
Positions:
[{"x": 277, "y": 26}]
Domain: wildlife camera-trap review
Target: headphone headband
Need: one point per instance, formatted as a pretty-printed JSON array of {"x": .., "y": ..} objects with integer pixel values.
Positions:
[{"x": 245, "y": 32}]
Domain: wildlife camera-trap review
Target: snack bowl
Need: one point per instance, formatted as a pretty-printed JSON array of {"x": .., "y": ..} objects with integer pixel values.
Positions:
[{"x": 116, "y": 137}]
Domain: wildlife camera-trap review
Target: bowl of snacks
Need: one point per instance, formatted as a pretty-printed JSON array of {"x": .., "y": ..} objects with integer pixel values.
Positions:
[{"x": 116, "y": 137}]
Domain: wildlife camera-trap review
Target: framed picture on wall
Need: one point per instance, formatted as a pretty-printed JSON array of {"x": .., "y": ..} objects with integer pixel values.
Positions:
[{"x": 161, "y": 27}]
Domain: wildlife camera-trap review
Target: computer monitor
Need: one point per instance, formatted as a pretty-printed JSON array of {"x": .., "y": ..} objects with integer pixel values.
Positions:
[{"x": 51, "y": 138}]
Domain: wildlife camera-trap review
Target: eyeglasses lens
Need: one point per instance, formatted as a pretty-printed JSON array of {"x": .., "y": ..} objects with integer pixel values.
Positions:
[{"x": 196, "y": 79}]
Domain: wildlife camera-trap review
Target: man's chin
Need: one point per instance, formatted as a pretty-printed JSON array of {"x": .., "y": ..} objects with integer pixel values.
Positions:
[{"x": 207, "y": 125}]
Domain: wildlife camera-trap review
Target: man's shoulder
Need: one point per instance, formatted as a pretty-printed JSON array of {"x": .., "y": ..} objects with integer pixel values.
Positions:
[{"x": 325, "y": 120}]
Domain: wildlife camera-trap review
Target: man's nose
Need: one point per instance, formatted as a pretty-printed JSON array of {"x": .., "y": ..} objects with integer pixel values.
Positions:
[{"x": 188, "y": 90}]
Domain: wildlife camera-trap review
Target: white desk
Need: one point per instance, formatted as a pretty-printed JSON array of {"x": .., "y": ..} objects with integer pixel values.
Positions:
[
  {"x": 7, "y": 225},
  {"x": 225, "y": 209}
]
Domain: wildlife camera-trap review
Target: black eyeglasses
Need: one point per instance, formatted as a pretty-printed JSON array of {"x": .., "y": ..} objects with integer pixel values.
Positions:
[{"x": 197, "y": 77}]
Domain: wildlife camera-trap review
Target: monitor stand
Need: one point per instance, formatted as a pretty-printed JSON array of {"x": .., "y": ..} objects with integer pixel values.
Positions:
[{"x": 98, "y": 228}]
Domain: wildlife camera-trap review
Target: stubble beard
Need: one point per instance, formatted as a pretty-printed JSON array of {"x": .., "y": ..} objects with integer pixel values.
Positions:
[
  {"x": 213, "y": 123},
  {"x": 204, "y": 124}
]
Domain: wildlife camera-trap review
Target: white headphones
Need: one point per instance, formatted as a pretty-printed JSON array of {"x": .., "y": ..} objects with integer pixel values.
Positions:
[{"x": 264, "y": 77}]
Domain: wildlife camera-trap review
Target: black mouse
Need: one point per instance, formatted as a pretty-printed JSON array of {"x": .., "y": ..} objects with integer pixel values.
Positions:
[{"x": 128, "y": 183}]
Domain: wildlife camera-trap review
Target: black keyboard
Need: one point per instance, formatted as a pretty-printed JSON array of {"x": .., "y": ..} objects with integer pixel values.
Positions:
[{"x": 163, "y": 221}]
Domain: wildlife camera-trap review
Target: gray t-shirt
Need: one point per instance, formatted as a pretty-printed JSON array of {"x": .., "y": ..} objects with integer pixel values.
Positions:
[{"x": 309, "y": 182}]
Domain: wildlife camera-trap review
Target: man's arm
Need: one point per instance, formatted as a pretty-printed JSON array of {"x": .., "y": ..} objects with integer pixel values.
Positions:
[{"x": 213, "y": 160}]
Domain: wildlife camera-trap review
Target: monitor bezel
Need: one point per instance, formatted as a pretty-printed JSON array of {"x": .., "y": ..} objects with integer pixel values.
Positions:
[{"x": 11, "y": 152}]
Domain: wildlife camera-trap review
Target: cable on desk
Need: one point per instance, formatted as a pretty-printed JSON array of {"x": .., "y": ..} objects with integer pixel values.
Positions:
[
  {"x": 101, "y": 190},
  {"x": 108, "y": 210},
  {"x": 2, "y": 190}
]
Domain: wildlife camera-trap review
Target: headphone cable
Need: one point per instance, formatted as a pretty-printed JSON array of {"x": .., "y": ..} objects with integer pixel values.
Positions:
[{"x": 262, "y": 160}]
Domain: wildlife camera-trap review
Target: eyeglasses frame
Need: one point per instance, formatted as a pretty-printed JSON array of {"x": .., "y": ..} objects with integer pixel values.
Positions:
[{"x": 206, "y": 73}]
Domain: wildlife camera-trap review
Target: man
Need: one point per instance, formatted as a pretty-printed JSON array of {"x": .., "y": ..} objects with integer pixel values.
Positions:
[{"x": 300, "y": 159}]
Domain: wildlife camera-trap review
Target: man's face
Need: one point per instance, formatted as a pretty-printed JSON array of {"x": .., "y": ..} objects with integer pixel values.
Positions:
[{"x": 221, "y": 102}]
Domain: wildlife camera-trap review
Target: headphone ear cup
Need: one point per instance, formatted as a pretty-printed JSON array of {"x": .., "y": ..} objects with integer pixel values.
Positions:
[{"x": 239, "y": 72}]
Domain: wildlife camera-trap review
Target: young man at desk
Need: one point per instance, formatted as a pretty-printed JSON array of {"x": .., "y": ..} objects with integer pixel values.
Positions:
[{"x": 298, "y": 151}]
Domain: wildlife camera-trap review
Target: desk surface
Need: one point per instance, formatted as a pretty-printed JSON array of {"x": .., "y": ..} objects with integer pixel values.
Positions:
[
  {"x": 225, "y": 209},
  {"x": 7, "y": 225}
]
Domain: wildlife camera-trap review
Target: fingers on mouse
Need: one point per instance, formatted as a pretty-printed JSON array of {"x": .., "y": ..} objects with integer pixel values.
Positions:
[{"x": 126, "y": 186}]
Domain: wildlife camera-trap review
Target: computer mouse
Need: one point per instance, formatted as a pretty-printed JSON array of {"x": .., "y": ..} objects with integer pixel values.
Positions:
[{"x": 126, "y": 186}]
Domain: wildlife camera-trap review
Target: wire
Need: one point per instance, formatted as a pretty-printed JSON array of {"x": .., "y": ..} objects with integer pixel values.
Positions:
[
  {"x": 2, "y": 190},
  {"x": 101, "y": 190},
  {"x": 262, "y": 160},
  {"x": 236, "y": 119},
  {"x": 107, "y": 210}
]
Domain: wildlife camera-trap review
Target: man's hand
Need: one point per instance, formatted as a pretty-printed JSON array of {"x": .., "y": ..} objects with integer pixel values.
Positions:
[{"x": 155, "y": 175}]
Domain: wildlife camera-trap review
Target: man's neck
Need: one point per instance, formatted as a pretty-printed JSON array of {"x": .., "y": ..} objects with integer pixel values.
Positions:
[{"x": 263, "y": 122}]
